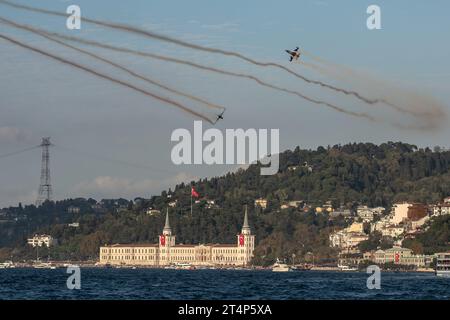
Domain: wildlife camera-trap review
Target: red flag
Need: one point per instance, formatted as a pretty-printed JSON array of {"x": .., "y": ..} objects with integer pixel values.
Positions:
[
  {"x": 194, "y": 193},
  {"x": 397, "y": 257},
  {"x": 162, "y": 240},
  {"x": 241, "y": 239}
]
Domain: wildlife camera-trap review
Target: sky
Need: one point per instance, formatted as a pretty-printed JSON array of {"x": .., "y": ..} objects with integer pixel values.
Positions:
[{"x": 110, "y": 141}]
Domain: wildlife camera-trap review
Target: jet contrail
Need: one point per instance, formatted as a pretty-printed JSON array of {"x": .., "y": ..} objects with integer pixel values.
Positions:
[
  {"x": 191, "y": 64},
  {"x": 116, "y": 65},
  {"x": 179, "y": 42},
  {"x": 100, "y": 75}
]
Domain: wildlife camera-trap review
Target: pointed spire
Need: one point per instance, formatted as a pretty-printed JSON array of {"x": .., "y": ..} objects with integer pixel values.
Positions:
[
  {"x": 245, "y": 226},
  {"x": 167, "y": 224}
]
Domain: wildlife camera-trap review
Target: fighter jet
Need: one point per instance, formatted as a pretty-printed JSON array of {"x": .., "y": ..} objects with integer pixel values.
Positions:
[
  {"x": 220, "y": 116},
  {"x": 295, "y": 54}
]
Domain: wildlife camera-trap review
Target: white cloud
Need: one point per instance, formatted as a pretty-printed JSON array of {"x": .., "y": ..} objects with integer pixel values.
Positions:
[{"x": 114, "y": 187}]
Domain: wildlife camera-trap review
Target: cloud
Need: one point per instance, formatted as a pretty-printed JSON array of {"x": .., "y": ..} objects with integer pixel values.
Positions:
[
  {"x": 14, "y": 134},
  {"x": 114, "y": 187}
]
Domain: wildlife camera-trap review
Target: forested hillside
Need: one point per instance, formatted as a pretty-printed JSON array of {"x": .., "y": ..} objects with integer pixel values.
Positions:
[{"x": 346, "y": 175}]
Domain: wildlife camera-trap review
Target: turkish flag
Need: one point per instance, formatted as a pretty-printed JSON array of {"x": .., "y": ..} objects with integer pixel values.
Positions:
[
  {"x": 241, "y": 239},
  {"x": 194, "y": 193},
  {"x": 162, "y": 240},
  {"x": 397, "y": 257}
]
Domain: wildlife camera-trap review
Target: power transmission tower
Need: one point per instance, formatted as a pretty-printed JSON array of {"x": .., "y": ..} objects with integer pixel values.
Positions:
[{"x": 45, "y": 188}]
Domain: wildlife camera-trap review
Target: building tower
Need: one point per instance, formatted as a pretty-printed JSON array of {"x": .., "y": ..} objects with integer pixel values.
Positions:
[
  {"x": 45, "y": 187},
  {"x": 166, "y": 241},
  {"x": 246, "y": 240}
]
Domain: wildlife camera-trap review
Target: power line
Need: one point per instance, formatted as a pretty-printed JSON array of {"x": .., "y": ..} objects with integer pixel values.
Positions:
[{"x": 18, "y": 152}]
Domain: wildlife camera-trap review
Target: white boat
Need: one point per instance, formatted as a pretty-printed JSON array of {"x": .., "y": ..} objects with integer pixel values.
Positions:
[
  {"x": 184, "y": 266},
  {"x": 280, "y": 267},
  {"x": 443, "y": 264},
  {"x": 7, "y": 265},
  {"x": 347, "y": 268},
  {"x": 43, "y": 265}
]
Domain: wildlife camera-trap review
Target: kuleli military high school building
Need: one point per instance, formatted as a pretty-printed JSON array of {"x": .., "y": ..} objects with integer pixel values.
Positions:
[{"x": 167, "y": 252}]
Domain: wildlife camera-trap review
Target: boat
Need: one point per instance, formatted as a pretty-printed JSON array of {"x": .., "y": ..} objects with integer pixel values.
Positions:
[
  {"x": 7, "y": 265},
  {"x": 43, "y": 265},
  {"x": 347, "y": 268},
  {"x": 443, "y": 264},
  {"x": 184, "y": 266},
  {"x": 280, "y": 267}
]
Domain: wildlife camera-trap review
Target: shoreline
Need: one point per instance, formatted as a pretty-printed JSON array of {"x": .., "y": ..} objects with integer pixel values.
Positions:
[{"x": 93, "y": 265}]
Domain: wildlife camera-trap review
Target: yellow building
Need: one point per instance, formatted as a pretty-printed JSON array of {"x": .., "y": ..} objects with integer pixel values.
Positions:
[
  {"x": 262, "y": 203},
  {"x": 166, "y": 252}
]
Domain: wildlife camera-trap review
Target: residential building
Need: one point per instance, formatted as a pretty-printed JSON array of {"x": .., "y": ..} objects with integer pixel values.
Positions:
[
  {"x": 73, "y": 209},
  {"x": 152, "y": 212},
  {"x": 42, "y": 240},
  {"x": 367, "y": 214},
  {"x": 341, "y": 212},
  {"x": 262, "y": 203},
  {"x": 292, "y": 204},
  {"x": 349, "y": 237},
  {"x": 441, "y": 209},
  {"x": 392, "y": 231},
  {"x": 399, "y": 212},
  {"x": 173, "y": 203}
]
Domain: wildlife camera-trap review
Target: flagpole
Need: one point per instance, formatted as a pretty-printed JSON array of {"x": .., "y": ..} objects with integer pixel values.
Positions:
[{"x": 191, "y": 202}]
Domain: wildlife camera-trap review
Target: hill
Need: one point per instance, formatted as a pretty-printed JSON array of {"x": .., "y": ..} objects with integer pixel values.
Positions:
[{"x": 347, "y": 175}]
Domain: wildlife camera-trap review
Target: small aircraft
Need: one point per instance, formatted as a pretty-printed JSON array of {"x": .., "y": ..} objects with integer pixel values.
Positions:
[
  {"x": 220, "y": 116},
  {"x": 294, "y": 54}
]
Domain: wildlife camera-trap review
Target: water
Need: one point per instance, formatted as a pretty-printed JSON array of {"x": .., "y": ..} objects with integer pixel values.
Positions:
[{"x": 216, "y": 284}]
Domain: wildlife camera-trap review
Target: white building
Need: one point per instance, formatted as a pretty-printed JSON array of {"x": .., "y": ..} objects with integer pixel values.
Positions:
[
  {"x": 349, "y": 237},
  {"x": 398, "y": 255},
  {"x": 441, "y": 209},
  {"x": 400, "y": 212},
  {"x": 42, "y": 240},
  {"x": 392, "y": 231},
  {"x": 152, "y": 212},
  {"x": 367, "y": 214},
  {"x": 73, "y": 209},
  {"x": 166, "y": 252}
]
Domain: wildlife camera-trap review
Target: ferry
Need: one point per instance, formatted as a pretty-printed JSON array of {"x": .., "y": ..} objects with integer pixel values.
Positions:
[
  {"x": 443, "y": 264},
  {"x": 280, "y": 267}
]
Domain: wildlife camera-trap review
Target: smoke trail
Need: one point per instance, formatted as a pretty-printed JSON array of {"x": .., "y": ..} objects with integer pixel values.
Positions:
[
  {"x": 165, "y": 38},
  {"x": 100, "y": 75},
  {"x": 158, "y": 84},
  {"x": 348, "y": 74},
  {"x": 194, "y": 65}
]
